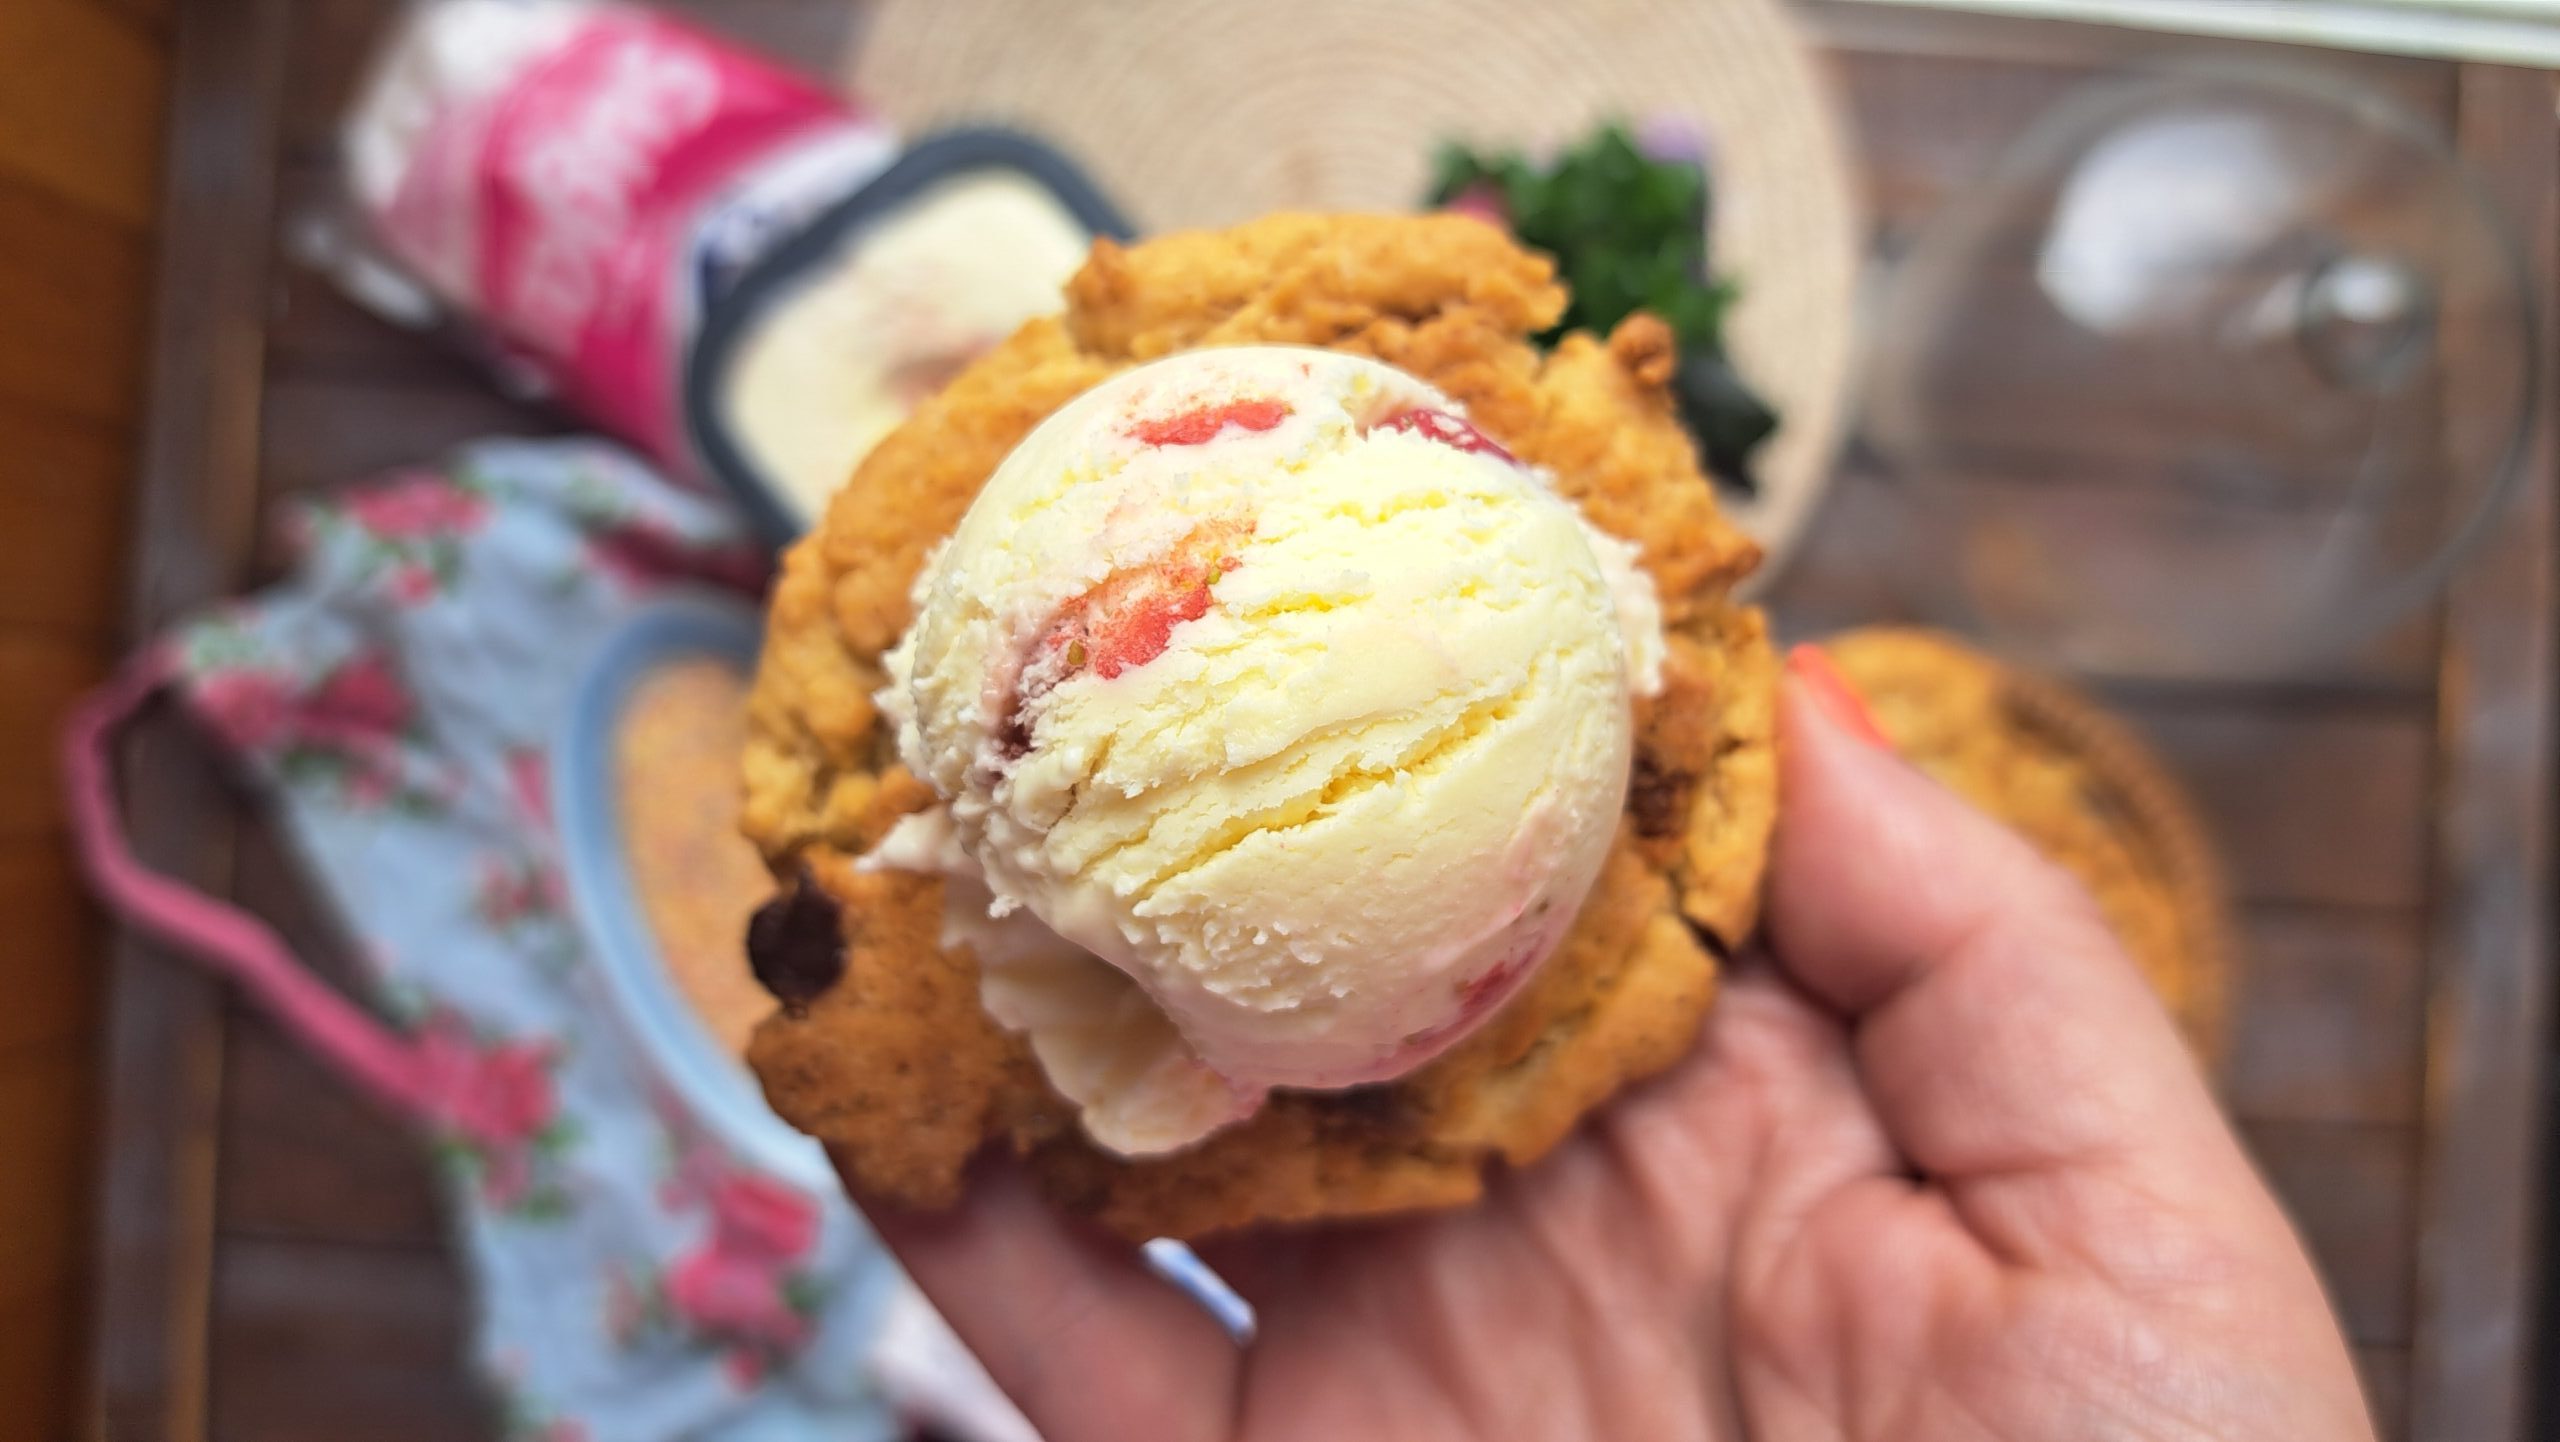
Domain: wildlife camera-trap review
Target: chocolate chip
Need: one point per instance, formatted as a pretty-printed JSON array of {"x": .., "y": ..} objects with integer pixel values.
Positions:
[
  {"x": 795, "y": 942},
  {"x": 1013, "y": 739},
  {"x": 1658, "y": 797},
  {"x": 1377, "y": 1107},
  {"x": 1715, "y": 944}
]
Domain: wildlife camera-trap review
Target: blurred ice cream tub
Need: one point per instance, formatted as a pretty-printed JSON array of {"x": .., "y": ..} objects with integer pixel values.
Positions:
[
  {"x": 830, "y": 339},
  {"x": 575, "y": 182}
]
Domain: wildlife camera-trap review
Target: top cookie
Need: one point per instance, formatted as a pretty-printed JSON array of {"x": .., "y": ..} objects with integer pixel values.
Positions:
[
  {"x": 2075, "y": 784},
  {"x": 886, "y": 1054}
]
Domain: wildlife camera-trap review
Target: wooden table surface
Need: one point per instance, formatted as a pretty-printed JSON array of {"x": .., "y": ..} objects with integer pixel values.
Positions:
[{"x": 273, "y": 1264}]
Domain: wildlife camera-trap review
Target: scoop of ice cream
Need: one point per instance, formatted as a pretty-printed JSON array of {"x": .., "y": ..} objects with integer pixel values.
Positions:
[{"x": 1264, "y": 677}]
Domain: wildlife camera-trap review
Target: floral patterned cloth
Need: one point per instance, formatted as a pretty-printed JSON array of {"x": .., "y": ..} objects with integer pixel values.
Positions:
[{"x": 636, "y": 1280}]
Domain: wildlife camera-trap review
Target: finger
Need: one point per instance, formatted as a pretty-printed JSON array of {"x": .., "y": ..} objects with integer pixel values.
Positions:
[
  {"x": 1999, "y": 1028},
  {"x": 1087, "y": 1341}
]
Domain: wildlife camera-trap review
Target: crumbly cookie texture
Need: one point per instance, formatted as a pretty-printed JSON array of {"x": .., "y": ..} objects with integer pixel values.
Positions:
[
  {"x": 2075, "y": 784},
  {"x": 889, "y": 1058}
]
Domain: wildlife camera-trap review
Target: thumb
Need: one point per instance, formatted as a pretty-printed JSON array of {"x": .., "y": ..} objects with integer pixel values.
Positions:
[
  {"x": 2016, "y": 1059},
  {"x": 1999, "y": 1028}
]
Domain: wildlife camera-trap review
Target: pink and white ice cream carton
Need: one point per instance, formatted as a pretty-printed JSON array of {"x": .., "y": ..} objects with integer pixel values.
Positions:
[{"x": 577, "y": 180}]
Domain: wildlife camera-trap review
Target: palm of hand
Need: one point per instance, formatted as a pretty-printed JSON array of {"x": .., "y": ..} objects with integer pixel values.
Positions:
[
  {"x": 1734, "y": 1252},
  {"x": 1974, "y": 1190}
]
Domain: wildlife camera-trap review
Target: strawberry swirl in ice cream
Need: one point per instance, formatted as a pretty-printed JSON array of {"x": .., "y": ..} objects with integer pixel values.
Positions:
[{"x": 1281, "y": 721}]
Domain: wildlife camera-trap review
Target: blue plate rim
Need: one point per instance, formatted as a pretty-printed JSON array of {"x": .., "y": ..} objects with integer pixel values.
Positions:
[{"x": 587, "y": 804}]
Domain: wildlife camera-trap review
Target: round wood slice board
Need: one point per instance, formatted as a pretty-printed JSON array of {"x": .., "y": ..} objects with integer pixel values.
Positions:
[{"x": 1203, "y": 113}]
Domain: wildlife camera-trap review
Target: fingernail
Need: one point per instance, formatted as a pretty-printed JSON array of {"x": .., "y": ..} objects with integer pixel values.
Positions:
[{"x": 1830, "y": 691}]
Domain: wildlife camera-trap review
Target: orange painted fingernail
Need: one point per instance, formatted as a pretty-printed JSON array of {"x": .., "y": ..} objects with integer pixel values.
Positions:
[{"x": 1814, "y": 669}]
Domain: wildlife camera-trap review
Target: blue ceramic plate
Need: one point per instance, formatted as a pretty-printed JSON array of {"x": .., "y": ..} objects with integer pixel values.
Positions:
[{"x": 588, "y": 805}]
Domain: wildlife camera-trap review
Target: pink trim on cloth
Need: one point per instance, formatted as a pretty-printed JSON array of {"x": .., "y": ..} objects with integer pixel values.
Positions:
[{"x": 229, "y": 940}]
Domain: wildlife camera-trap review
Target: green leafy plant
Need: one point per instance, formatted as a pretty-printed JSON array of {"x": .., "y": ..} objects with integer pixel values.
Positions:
[{"x": 1628, "y": 232}]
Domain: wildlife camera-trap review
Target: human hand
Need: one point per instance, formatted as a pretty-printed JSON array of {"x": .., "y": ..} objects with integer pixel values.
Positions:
[{"x": 1942, "y": 1168}]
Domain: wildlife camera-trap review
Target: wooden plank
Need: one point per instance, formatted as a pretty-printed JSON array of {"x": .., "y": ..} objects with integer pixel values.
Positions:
[
  {"x": 320, "y": 334},
  {"x": 304, "y": 1156},
  {"x": 2321, "y": 804},
  {"x": 63, "y": 494},
  {"x": 328, "y": 432},
  {"x": 164, "y": 1045},
  {"x": 194, "y": 512},
  {"x": 151, "y": 15},
  {"x": 2351, "y": 1191},
  {"x": 1877, "y": 554},
  {"x": 2326, "y": 1024},
  {"x": 2490, "y": 949},
  {"x": 2004, "y": 41},
  {"x": 72, "y": 343},
  {"x": 47, "y": 1099},
  {"x": 40, "y": 676},
  {"x": 305, "y": 1159},
  {"x": 78, "y": 145},
  {"x": 1859, "y": 565},
  {"x": 314, "y": 330},
  {"x": 333, "y": 44},
  {"x": 1932, "y": 122},
  {"x": 317, "y": 1343},
  {"x": 80, "y": 116},
  {"x": 1928, "y": 127},
  {"x": 39, "y": 1350},
  {"x": 1936, "y": 99},
  {"x": 54, "y": 980}
]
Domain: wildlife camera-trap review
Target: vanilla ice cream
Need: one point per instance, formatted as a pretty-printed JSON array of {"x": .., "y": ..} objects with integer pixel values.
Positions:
[{"x": 1281, "y": 721}]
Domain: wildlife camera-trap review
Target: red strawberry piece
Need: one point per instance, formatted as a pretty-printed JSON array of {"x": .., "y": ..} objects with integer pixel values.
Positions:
[
  {"x": 1479, "y": 995},
  {"x": 1201, "y": 424},
  {"x": 1449, "y": 430},
  {"x": 1123, "y": 621}
]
